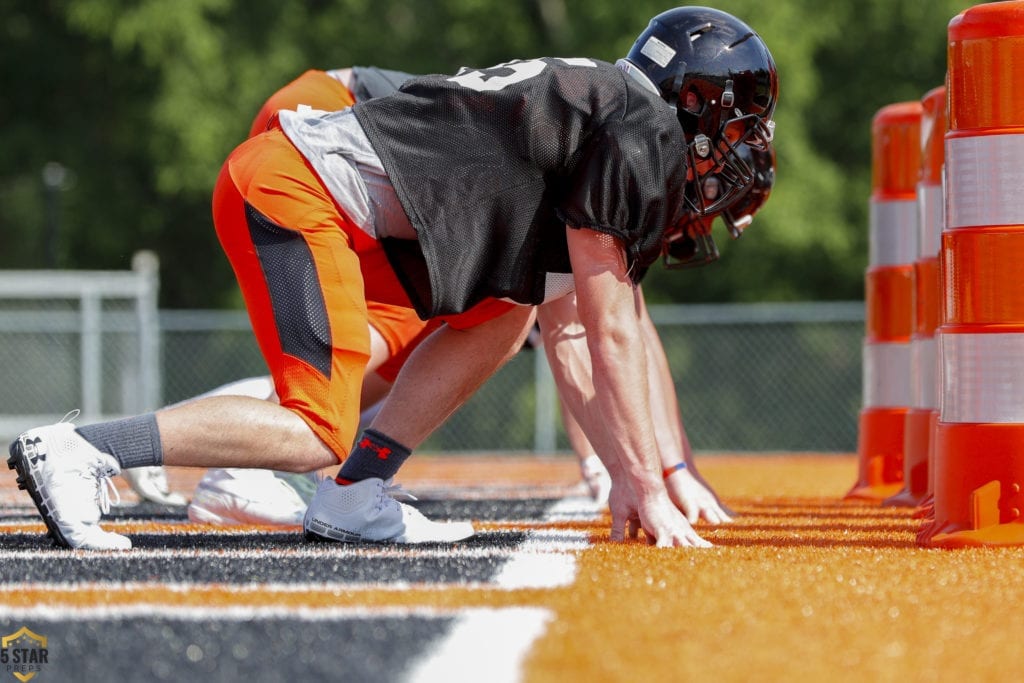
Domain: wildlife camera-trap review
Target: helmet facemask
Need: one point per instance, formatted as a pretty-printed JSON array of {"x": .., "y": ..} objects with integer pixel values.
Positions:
[
  {"x": 717, "y": 136},
  {"x": 690, "y": 244},
  {"x": 740, "y": 214}
]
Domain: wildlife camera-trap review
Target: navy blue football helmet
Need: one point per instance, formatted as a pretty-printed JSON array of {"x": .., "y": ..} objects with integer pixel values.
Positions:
[{"x": 719, "y": 75}]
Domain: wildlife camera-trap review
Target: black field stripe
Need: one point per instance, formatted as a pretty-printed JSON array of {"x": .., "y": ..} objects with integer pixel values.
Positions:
[
  {"x": 237, "y": 556},
  {"x": 263, "y": 565},
  {"x": 254, "y": 650},
  {"x": 481, "y": 510}
]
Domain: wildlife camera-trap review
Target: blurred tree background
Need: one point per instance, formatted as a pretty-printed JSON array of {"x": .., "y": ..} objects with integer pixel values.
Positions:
[{"x": 116, "y": 115}]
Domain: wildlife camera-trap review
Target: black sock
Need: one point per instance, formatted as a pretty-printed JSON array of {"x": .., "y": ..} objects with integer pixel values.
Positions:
[
  {"x": 133, "y": 441},
  {"x": 374, "y": 455}
]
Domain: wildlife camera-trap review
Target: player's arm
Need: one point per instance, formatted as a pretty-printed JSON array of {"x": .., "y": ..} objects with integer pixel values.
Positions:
[
  {"x": 445, "y": 370},
  {"x": 565, "y": 345},
  {"x": 607, "y": 305},
  {"x": 686, "y": 488}
]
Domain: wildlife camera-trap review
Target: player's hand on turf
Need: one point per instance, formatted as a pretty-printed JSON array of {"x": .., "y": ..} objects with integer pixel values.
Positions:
[
  {"x": 663, "y": 525},
  {"x": 622, "y": 505},
  {"x": 691, "y": 467},
  {"x": 694, "y": 499}
]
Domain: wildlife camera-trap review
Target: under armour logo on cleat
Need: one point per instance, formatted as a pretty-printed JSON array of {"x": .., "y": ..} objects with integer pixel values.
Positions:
[{"x": 32, "y": 450}]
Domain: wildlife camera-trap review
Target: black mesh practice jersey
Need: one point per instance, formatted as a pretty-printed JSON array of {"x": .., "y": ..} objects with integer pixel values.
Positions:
[
  {"x": 492, "y": 164},
  {"x": 371, "y": 82}
]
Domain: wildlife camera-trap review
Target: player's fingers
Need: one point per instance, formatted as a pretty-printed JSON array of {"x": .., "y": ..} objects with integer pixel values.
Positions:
[
  {"x": 712, "y": 514},
  {"x": 693, "y": 513},
  {"x": 634, "y": 528},
  {"x": 618, "y": 528},
  {"x": 700, "y": 542},
  {"x": 678, "y": 540},
  {"x": 692, "y": 539},
  {"x": 688, "y": 542},
  {"x": 723, "y": 517},
  {"x": 708, "y": 515}
]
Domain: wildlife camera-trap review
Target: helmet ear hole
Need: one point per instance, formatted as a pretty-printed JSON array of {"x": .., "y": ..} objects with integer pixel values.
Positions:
[{"x": 690, "y": 101}]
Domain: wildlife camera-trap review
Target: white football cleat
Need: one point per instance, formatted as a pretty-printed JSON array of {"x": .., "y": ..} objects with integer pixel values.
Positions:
[
  {"x": 367, "y": 512},
  {"x": 597, "y": 479},
  {"x": 69, "y": 481},
  {"x": 150, "y": 483},
  {"x": 228, "y": 497}
]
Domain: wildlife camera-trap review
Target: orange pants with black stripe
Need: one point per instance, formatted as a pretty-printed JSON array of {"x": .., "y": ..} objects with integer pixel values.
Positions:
[
  {"x": 296, "y": 260},
  {"x": 400, "y": 328},
  {"x": 309, "y": 278}
]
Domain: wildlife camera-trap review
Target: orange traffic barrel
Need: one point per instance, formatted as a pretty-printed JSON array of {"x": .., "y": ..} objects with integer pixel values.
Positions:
[
  {"x": 923, "y": 415},
  {"x": 979, "y": 448},
  {"x": 888, "y": 300}
]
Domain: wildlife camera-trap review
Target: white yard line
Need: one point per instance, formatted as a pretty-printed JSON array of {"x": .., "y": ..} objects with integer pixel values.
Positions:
[
  {"x": 540, "y": 564},
  {"x": 484, "y": 645},
  {"x": 230, "y": 613},
  {"x": 492, "y": 646},
  {"x": 220, "y": 613}
]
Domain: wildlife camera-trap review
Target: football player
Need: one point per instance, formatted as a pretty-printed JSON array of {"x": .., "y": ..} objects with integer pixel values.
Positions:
[
  {"x": 249, "y": 496},
  {"x": 487, "y": 193}
]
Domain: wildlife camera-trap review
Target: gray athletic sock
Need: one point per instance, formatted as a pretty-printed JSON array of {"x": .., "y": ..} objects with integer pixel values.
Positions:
[{"x": 133, "y": 441}]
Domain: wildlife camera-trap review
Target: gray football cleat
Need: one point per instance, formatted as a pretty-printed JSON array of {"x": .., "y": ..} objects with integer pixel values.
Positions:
[{"x": 367, "y": 512}]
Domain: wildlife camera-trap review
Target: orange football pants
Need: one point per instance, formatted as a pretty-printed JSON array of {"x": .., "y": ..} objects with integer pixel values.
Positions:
[
  {"x": 308, "y": 277},
  {"x": 300, "y": 265},
  {"x": 316, "y": 89},
  {"x": 400, "y": 327}
]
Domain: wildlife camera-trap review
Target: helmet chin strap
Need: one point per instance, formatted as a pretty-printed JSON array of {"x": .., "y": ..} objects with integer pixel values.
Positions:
[{"x": 689, "y": 251}]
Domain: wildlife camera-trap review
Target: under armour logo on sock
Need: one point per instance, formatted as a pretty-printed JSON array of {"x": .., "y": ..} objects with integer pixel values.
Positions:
[{"x": 382, "y": 451}]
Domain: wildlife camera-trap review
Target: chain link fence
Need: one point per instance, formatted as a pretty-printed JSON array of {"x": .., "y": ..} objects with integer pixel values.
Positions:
[
  {"x": 85, "y": 340},
  {"x": 763, "y": 377}
]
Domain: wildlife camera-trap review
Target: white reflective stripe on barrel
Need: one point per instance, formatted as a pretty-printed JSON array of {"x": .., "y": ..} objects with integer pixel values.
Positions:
[
  {"x": 924, "y": 371},
  {"x": 982, "y": 377},
  {"x": 887, "y": 375},
  {"x": 985, "y": 180},
  {"x": 929, "y": 228},
  {"x": 893, "y": 237}
]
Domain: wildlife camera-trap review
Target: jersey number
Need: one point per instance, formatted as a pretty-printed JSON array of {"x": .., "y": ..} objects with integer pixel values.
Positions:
[{"x": 486, "y": 80}]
